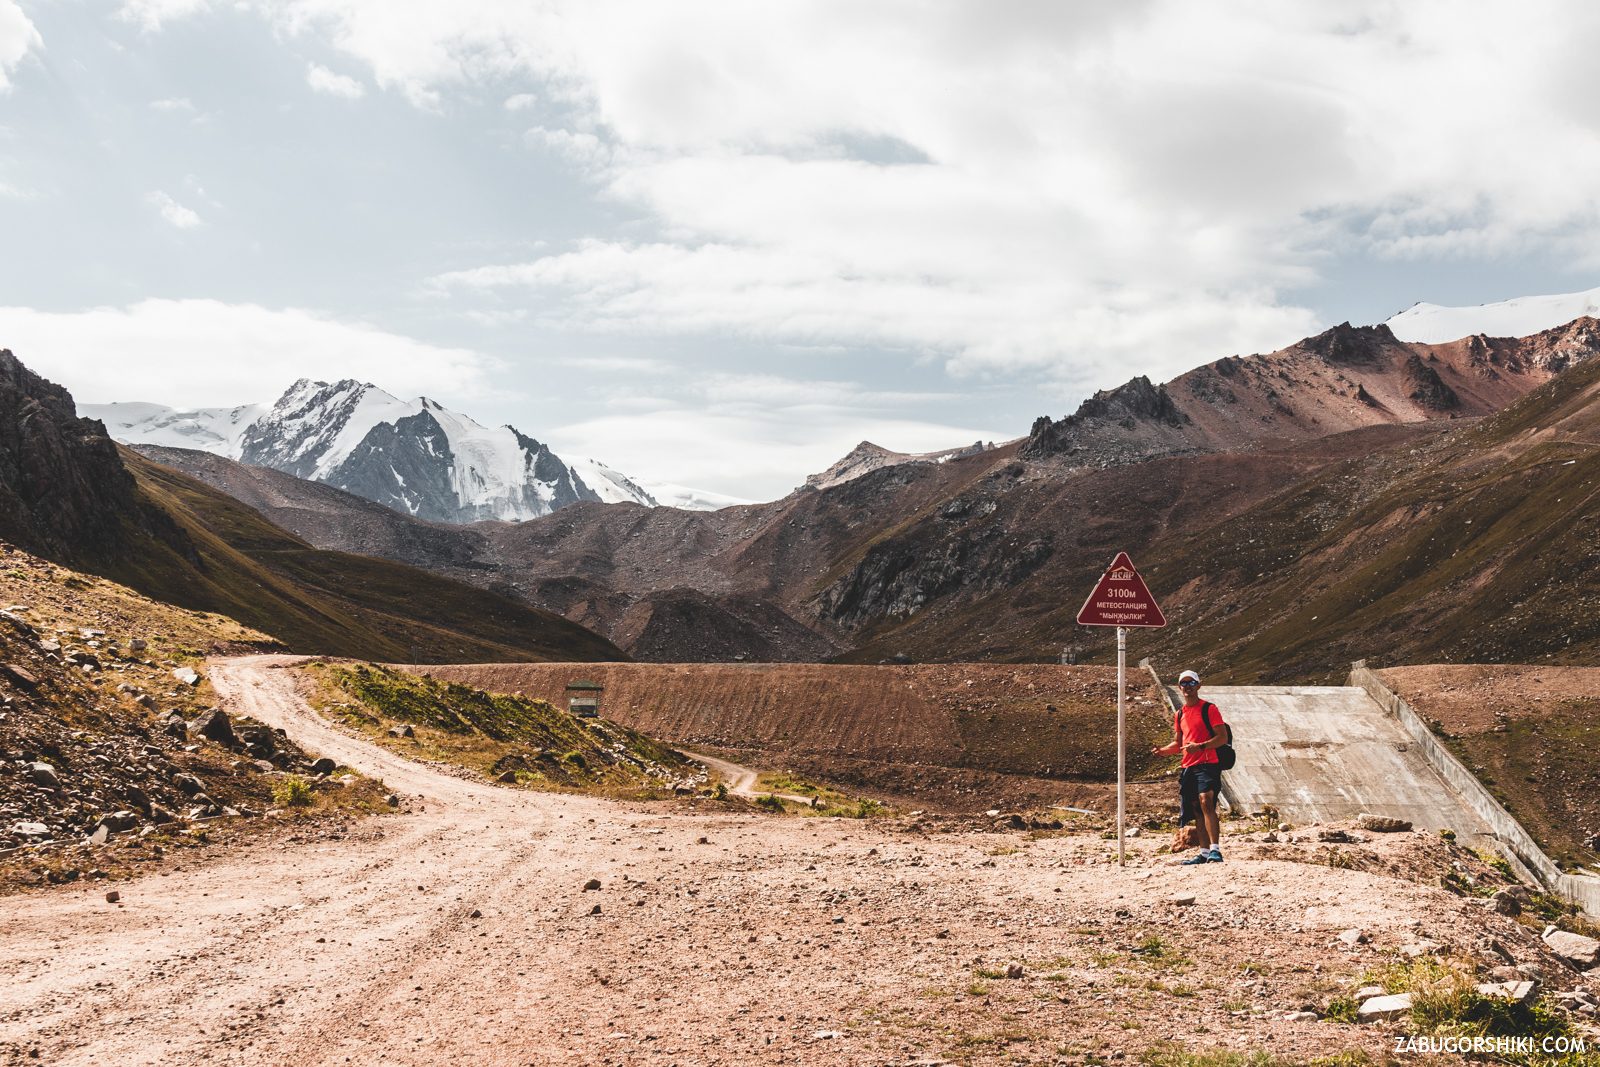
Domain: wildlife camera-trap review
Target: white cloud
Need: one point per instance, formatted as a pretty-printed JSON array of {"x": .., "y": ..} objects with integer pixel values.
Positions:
[
  {"x": 151, "y": 14},
  {"x": 190, "y": 353},
  {"x": 1063, "y": 191},
  {"x": 521, "y": 102},
  {"x": 326, "y": 81},
  {"x": 172, "y": 212},
  {"x": 776, "y": 447},
  {"x": 18, "y": 37},
  {"x": 179, "y": 104}
]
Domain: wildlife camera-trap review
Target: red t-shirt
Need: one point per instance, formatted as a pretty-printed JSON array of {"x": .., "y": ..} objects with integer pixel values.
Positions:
[{"x": 1192, "y": 728}]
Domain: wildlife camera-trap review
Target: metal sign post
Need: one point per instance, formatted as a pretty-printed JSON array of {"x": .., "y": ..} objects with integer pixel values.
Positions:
[
  {"x": 1122, "y": 742},
  {"x": 1121, "y": 599}
]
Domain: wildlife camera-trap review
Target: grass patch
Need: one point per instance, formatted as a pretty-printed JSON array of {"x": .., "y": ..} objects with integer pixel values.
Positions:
[
  {"x": 1445, "y": 1001},
  {"x": 826, "y": 802},
  {"x": 526, "y": 742},
  {"x": 293, "y": 792}
]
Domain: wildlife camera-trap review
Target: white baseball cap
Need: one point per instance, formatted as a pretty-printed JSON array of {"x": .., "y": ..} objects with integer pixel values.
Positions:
[{"x": 1188, "y": 676}]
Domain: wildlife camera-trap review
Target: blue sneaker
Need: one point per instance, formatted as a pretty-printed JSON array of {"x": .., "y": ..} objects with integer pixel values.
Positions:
[
  {"x": 1198, "y": 858},
  {"x": 1213, "y": 855}
]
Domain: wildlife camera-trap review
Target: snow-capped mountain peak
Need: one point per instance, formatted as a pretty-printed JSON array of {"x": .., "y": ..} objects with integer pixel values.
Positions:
[{"x": 415, "y": 456}]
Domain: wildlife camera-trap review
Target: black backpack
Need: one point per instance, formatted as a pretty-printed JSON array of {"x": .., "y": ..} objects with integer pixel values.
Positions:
[{"x": 1226, "y": 757}]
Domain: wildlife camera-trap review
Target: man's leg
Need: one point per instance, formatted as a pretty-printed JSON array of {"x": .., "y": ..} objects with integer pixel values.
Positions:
[{"x": 1206, "y": 826}]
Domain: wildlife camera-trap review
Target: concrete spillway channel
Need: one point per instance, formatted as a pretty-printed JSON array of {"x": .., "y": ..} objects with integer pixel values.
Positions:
[
  {"x": 1327, "y": 753},
  {"x": 1324, "y": 753}
]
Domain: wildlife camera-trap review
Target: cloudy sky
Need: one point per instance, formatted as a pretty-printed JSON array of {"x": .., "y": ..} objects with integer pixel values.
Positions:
[{"x": 720, "y": 243}]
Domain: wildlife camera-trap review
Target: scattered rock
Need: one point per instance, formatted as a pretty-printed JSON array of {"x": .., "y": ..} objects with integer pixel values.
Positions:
[
  {"x": 45, "y": 775},
  {"x": 1335, "y": 837},
  {"x": 113, "y": 896},
  {"x": 1133, "y": 831},
  {"x": 1377, "y": 1009},
  {"x": 1353, "y": 937},
  {"x": 1013, "y": 970},
  {"x": 30, "y": 829},
  {"x": 393, "y": 800},
  {"x": 508, "y": 777},
  {"x": 595, "y": 910},
  {"x": 402, "y": 731},
  {"x": 1383, "y": 824},
  {"x": 189, "y": 785},
  {"x": 591, "y": 885},
  {"x": 1367, "y": 992},
  {"x": 186, "y": 675},
  {"x": 1574, "y": 948},
  {"x": 323, "y": 765},
  {"x": 1300, "y": 1017},
  {"x": 1518, "y": 992},
  {"x": 1183, "y": 900}
]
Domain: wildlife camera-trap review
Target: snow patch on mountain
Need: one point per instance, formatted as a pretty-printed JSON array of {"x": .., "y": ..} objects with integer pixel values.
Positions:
[
  {"x": 669, "y": 495},
  {"x": 215, "y": 430},
  {"x": 1524, "y": 316}
]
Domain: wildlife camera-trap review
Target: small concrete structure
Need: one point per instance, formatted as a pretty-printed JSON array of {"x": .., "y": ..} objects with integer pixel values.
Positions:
[{"x": 583, "y": 698}]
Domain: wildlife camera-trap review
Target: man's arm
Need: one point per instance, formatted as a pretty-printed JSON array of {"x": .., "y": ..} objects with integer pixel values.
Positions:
[{"x": 1172, "y": 748}]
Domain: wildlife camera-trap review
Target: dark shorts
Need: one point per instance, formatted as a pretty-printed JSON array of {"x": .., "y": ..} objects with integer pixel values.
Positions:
[{"x": 1192, "y": 781}]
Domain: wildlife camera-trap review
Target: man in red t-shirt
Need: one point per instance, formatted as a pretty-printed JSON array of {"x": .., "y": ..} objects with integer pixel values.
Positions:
[{"x": 1199, "y": 777}]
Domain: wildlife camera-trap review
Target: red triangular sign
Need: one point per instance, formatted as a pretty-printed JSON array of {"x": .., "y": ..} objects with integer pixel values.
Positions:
[{"x": 1121, "y": 598}]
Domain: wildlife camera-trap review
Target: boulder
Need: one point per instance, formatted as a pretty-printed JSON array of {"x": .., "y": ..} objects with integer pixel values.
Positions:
[
  {"x": 508, "y": 777},
  {"x": 1377, "y": 1009},
  {"x": 45, "y": 775},
  {"x": 1353, "y": 937},
  {"x": 1576, "y": 949},
  {"x": 1383, "y": 824},
  {"x": 30, "y": 829},
  {"x": 1504, "y": 903},
  {"x": 188, "y": 784},
  {"x": 137, "y": 645},
  {"x": 18, "y": 676},
  {"x": 17, "y": 623},
  {"x": 404, "y": 730},
  {"x": 215, "y": 725},
  {"x": 186, "y": 675},
  {"x": 323, "y": 765}
]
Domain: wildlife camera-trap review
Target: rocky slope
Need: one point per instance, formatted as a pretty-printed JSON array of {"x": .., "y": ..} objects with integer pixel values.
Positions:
[
  {"x": 107, "y": 729},
  {"x": 63, "y": 489}
]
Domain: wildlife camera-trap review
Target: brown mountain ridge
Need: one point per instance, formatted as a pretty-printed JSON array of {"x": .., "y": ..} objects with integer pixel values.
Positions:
[{"x": 1246, "y": 462}]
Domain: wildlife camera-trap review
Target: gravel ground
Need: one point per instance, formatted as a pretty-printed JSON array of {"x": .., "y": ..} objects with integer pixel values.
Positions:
[{"x": 462, "y": 931}]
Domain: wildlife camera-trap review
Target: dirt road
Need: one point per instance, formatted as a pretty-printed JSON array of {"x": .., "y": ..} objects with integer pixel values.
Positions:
[
  {"x": 741, "y": 781},
  {"x": 460, "y": 932}
]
